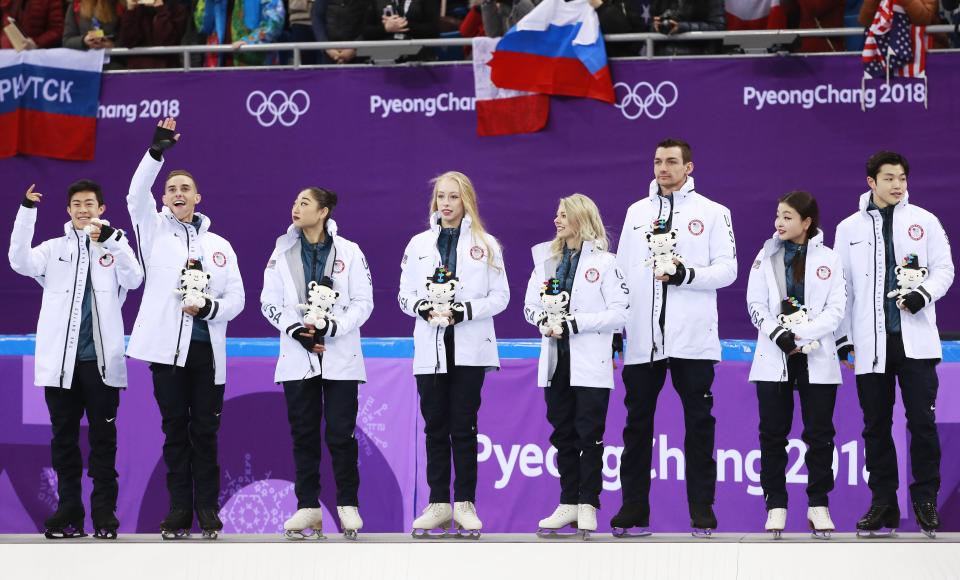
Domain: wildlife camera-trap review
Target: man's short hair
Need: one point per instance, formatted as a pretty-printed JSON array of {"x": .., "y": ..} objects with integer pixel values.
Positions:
[
  {"x": 882, "y": 158},
  {"x": 685, "y": 152},
  {"x": 85, "y": 185}
]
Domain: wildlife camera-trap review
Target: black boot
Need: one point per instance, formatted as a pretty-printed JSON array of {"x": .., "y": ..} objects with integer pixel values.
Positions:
[
  {"x": 702, "y": 519},
  {"x": 105, "y": 523},
  {"x": 632, "y": 515},
  {"x": 927, "y": 517},
  {"x": 880, "y": 516},
  {"x": 65, "y": 523},
  {"x": 210, "y": 522},
  {"x": 177, "y": 524}
]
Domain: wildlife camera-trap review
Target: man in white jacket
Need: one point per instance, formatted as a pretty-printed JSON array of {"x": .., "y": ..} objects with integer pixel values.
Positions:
[
  {"x": 672, "y": 324},
  {"x": 186, "y": 345},
  {"x": 85, "y": 275},
  {"x": 894, "y": 337}
]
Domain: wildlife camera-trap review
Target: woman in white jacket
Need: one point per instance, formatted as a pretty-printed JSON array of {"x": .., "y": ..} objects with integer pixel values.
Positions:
[
  {"x": 450, "y": 363},
  {"x": 576, "y": 366},
  {"x": 796, "y": 296},
  {"x": 320, "y": 368}
]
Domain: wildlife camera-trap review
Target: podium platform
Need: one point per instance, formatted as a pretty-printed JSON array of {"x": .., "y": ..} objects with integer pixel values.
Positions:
[{"x": 495, "y": 556}]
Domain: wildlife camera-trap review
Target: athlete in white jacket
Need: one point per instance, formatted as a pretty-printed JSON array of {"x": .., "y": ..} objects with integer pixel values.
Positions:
[
  {"x": 186, "y": 346},
  {"x": 320, "y": 369},
  {"x": 576, "y": 367},
  {"x": 894, "y": 337},
  {"x": 79, "y": 346},
  {"x": 672, "y": 323},
  {"x": 795, "y": 275},
  {"x": 450, "y": 363}
]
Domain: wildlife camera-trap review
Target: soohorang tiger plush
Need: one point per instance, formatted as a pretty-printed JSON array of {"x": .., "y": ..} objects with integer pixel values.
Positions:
[
  {"x": 792, "y": 315},
  {"x": 441, "y": 288},
  {"x": 193, "y": 285},
  {"x": 909, "y": 276},
  {"x": 318, "y": 311},
  {"x": 662, "y": 242},
  {"x": 556, "y": 307}
]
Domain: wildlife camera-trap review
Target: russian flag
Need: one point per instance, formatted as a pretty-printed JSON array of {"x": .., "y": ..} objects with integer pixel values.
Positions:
[
  {"x": 48, "y": 102},
  {"x": 755, "y": 15},
  {"x": 503, "y": 111},
  {"x": 556, "y": 49}
]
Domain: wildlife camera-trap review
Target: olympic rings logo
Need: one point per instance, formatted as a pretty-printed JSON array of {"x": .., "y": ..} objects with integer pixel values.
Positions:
[
  {"x": 268, "y": 110},
  {"x": 643, "y": 97}
]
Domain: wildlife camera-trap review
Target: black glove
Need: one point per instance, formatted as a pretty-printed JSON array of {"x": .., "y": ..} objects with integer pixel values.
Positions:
[
  {"x": 787, "y": 342},
  {"x": 27, "y": 202},
  {"x": 424, "y": 314},
  {"x": 914, "y": 302},
  {"x": 843, "y": 353},
  {"x": 618, "y": 344},
  {"x": 106, "y": 232},
  {"x": 204, "y": 310},
  {"x": 458, "y": 314},
  {"x": 678, "y": 277},
  {"x": 163, "y": 139},
  {"x": 306, "y": 340}
]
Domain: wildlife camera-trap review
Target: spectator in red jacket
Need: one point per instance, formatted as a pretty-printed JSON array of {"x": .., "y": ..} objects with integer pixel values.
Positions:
[
  {"x": 41, "y": 21},
  {"x": 161, "y": 23}
]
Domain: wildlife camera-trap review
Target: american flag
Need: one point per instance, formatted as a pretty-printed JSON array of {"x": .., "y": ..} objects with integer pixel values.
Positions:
[{"x": 894, "y": 46}]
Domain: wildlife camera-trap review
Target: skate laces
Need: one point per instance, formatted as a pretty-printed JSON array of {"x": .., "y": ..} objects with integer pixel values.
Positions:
[
  {"x": 467, "y": 507},
  {"x": 927, "y": 509}
]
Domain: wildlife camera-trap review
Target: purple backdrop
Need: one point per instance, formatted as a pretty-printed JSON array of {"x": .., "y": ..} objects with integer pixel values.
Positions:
[{"x": 355, "y": 138}]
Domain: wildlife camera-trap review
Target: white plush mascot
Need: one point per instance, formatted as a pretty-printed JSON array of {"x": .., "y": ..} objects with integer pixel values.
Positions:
[
  {"x": 662, "y": 242},
  {"x": 909, "y": 277},
  {"x": 441, "y": 288},
  {"x": 193, "y": 286},
  {"x": 793, "y": 314},
  {"x": 319, "y": 308},
  {"x": 556, "y": 308}
]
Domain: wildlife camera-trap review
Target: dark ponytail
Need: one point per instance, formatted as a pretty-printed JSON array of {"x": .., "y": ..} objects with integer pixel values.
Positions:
[{"x": 804, "y": 204}]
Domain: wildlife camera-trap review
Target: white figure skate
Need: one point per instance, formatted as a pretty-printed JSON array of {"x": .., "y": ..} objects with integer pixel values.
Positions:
[
  {"x": 565, "y": 515},
  {"x": 776, "y": 522},
  {"x": 350, "y": 522},
  {"x": 821, "y": 526},
  {"x": 436, "y": 516},
  {"x": 465, "y": 517},
  {"x": 306, "y": 524}
]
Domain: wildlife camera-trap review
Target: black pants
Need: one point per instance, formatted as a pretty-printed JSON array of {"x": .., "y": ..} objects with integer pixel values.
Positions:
[
  {"x": 578, "y": 416},
  {"x": 449, "y": 404},
  {"x": 190, "y": 405},
  {"x": 918, "y": 389},
  {"x": 87, "y": 393},
  {"x": 335, "y": 402},
  {"x": 817, "y": 402},
  {"x": 692, "y": 380}
]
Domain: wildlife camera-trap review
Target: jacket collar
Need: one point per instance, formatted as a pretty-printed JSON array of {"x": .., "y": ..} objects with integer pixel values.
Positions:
[
  {"x": 865, "y": 201},
  {"x": 68, "y": 231},
  {"x": 287, "y": 240},
  {"x": 435, "y": 223},
  {"x": 773, "y": 245},
  {"x": 681, "y": 194},
  {"x": 204, "y": 220}
]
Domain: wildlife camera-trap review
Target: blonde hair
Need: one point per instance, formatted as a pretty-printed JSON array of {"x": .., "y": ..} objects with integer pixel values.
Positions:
[
  {"x": 584, "y": 215},
  {"x": 104, "y": 10},
  {"x": 468, "y": 196}
]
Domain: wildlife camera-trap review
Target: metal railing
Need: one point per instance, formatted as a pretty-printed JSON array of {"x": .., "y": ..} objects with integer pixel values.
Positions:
[{"x": 752, "y": 42}]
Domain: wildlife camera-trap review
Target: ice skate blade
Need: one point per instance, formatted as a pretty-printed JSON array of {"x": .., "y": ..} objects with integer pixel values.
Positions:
[
  {"x": 556, "y": 533},
  {"x": 932, "y": 534},
  {"x": 465, "y": 534},
  {"x": 626, "y": 533},
  {"x": 777, "y": 534},
  {"x": 431, "y": 534},
  {"x": 175, "y": 534},
  {"x": 105, "y": 533},
  {"x": 585, "y": 534},
  {"x": 877, "y": 533},
  {"x": 821, "y": 534},
  {"x": 298, "y": 535},
  {"x": 702, "y": 533},
  {"x": 351, "y": 535},
  {"x": 64, "y": 534},
  {"x": 210, "y": 534}
]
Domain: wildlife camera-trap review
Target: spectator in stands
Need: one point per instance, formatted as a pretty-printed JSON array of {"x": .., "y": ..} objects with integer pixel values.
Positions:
[
  {"x": 921, "y": 12},
  {"x": 156, "y": 23},
  {"x": 335, "y": 20},
  {"x": 619, "y": 17},
  {"x": 500, "y": 15},
  {"x": 91, "y": 24},
  {"x": 251, "y": 22},
  {"x": 390, "y": 19},
  {"x": 41, "y": 21},
  {"x": 679, "y": 16},
  {"x": 301, "y": 27},
  {"x": 950, "y": 13}
]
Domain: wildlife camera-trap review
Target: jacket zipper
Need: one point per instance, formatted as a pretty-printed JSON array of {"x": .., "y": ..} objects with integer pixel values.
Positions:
[
  {"x": 654, "y": 321},
  {"x": 96, "y": 320},
  {"x": 73, "y": 300},
  {"x": 176, "y": 355},
  {"x": 876, "y": 336}
]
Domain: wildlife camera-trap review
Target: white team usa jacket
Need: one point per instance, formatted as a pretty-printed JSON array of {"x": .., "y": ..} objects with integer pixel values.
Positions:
[
  {"x": 859, "y": 242},
  {"x": 824, "y": 296},
  {"x": 284, "y": 287},
  {"x": 60, "y": 266},
  {"x": 161, "y": 333},
  {"x": 598, "y": 304},
  {"x": 705, "y": 242},
  {"x": 483, "y": 291}
]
